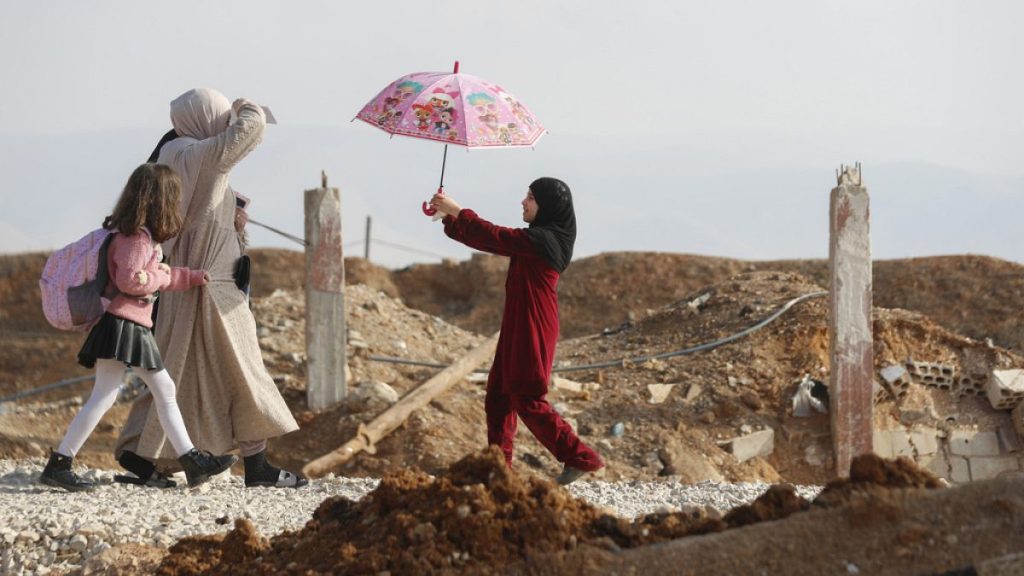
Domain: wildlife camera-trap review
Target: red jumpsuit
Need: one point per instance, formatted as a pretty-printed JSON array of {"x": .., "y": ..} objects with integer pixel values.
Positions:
[{"x": 519, "y": 377}]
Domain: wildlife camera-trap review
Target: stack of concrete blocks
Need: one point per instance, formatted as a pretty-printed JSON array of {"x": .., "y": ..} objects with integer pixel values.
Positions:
[
  {"x": 961, "y": 455},
  {"x": 932, "y": 375}
]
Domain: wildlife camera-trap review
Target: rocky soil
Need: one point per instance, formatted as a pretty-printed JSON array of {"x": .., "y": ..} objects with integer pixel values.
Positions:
[{"x": 668, "y": 421}]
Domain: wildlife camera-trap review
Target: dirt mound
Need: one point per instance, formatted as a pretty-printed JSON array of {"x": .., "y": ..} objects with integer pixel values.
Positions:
[
  {"x": 481, "y": 518},
  {"x": 870, "y": 472}
]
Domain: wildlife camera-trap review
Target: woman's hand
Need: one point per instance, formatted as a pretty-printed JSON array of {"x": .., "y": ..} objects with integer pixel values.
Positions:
[
  {"x": 206, "y": 279},
  {"x": 241, "y": 219},
  {"x": 445, "y": 204}
]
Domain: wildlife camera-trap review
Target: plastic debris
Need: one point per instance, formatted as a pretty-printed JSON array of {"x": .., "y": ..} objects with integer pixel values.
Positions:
[{"x": 810, "y": 395}]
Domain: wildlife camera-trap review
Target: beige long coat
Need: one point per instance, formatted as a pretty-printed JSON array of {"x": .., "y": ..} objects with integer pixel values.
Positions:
[{"x": 207, "y": 335}]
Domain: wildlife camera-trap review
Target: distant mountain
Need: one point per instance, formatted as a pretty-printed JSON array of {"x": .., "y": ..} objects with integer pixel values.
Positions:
[{"x": 630, "y": 195}]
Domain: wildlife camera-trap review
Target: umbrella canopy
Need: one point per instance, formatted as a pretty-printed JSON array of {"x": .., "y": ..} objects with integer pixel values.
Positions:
[{"x": 453, "y": 108}]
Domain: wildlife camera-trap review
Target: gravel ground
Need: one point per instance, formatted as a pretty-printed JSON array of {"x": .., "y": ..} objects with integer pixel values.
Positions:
[{"x": 44, "y": 530}]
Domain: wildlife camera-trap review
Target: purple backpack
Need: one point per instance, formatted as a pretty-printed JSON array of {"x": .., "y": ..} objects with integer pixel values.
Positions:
[{"x": 74, "y": 280}]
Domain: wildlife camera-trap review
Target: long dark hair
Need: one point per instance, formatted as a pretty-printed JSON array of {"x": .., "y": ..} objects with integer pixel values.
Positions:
[{"x": 150, "y": 199}]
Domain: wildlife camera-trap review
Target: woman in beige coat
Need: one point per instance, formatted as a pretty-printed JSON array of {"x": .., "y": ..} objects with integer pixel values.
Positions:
[{"x": 208, "y": 336}]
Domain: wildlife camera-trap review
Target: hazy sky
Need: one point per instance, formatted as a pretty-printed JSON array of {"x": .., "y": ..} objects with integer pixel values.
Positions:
[{"x": 711, "y": 128}]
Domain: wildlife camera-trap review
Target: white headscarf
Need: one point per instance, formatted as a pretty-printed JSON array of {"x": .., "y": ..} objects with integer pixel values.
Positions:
[
  {"x": 197, "y": 115},
  {"x": 200, "y": 113}
]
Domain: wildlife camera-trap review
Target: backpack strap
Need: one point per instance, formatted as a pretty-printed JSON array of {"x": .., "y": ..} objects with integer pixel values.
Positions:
[{"x": 102, "y": 268}]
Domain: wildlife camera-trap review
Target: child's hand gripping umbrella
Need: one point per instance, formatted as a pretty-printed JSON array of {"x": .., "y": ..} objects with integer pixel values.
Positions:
[{"x": 452, "y": 108}]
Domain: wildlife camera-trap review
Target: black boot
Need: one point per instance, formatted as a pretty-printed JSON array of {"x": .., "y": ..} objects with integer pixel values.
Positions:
[
  {"x": 145, "y": 472},
  {"x": 58, "y": 473},
  {"x": 200, "y": 466},
  {"x": 259, "y": 472}
]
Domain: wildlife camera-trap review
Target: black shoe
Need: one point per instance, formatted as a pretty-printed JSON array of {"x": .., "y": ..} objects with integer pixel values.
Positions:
[
  {"x": 58, "y": 473},
  {"x": 569, "y": 475},
  {"x": 201, "y": 466},
  {"x": 259, "y": 472},
  {"x": 145, "y": 472}
]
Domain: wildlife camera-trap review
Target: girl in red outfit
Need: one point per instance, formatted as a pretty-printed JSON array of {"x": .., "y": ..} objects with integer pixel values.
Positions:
[
  {"x": 519, "y": 377},
  {"x": 145, "y": 215}
]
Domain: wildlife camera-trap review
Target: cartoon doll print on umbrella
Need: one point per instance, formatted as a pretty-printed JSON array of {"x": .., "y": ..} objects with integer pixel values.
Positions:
[{"x": 452, "y": 108}]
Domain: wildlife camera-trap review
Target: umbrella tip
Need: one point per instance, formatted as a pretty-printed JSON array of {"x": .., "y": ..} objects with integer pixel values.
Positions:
[{"x": 456, "y": 67}]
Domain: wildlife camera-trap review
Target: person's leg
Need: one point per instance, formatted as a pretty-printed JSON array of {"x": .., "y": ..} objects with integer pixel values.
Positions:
[
  {"x": 501, "y": 421},
  {"x": 166, "y": 403},
  {"x": 199, "y": 466},
  {"x": 259, "y": 472},
  {"x": 555, "y": 433},
  {"x": 104, "y": 392}
]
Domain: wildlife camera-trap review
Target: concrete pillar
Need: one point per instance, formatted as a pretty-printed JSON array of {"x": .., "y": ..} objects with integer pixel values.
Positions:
[
  {"x": 325, "y": 298},
  {"x": 850, "y": 339}
]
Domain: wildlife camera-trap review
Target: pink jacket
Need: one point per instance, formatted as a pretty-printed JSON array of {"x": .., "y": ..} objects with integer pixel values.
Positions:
[{"x": 134, "y": 267}]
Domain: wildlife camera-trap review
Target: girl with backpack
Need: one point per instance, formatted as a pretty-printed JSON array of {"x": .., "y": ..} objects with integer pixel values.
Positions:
[{"x": 145, "y": 215}]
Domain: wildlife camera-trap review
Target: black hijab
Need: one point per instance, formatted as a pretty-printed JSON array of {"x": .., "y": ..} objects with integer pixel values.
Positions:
[
  {"x": 170, "y": 135},
  {"x": 553, "y": 230}
]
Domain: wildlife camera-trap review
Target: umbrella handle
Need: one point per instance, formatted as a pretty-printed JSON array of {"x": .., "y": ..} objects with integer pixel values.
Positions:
[{"x": 430, "y": 210}]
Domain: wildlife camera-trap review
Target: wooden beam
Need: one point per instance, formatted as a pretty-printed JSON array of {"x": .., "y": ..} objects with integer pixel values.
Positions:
[{"x": 368, "y": 435}]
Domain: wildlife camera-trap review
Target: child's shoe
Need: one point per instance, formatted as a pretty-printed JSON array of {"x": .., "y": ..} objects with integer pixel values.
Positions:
[
  {"x": 201, "y": 466},
  {"x": 259, "y": 472},
  {"x": 58, "y": 473},
  {"x": 569, "y": 475}
]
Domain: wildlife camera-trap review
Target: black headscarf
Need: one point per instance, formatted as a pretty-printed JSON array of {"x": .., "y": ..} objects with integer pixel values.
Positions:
[
  {"x": 553, "y": 231},
  {"x": 170, "y": 135}
]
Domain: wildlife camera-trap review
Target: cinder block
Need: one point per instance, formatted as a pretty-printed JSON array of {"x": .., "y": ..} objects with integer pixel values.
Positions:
[
  {"x": 937, "y": 464},
  {"x": 897, "y": 379},
  {"x": 971, "y": 385},
  {"x": 901, "y": 445},
  {"x": 924, "y": 440},
  {"x": 1009, "y": 441},
  {"x": 987, "y": 467},
  {"x": 959, "y": 470},
  {"x": 1005, "y": 389},
  {"x": 761, "y": 443},
  {"x": 971, "y": 443},
  {"x": 931, "y": 374},
  {"x": 1017, "y": 417},
  {"x": 880, "y": 392}
]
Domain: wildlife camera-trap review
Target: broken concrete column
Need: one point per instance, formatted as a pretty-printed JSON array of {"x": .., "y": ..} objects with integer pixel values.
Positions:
[{"x": 850, "y": 342}]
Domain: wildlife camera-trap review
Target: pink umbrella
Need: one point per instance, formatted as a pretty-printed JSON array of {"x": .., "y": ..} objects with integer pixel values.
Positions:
[{"x": 452, "y": 108}]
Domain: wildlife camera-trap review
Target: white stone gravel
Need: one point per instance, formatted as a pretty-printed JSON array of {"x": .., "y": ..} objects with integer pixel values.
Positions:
[{"x": 44, "y": 530}]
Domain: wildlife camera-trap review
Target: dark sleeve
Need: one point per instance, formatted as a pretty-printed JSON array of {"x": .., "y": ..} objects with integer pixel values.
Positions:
[{"x": 479, "y": 234}]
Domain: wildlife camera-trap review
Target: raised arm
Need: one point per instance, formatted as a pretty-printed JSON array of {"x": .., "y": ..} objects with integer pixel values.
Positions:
[
  {"x": 228, "y": 148},
  {"x": 473, "y": 231}
]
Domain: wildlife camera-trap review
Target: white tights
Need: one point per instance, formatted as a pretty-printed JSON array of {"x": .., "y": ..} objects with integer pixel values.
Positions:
[{"x": 109, "y": 374}]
